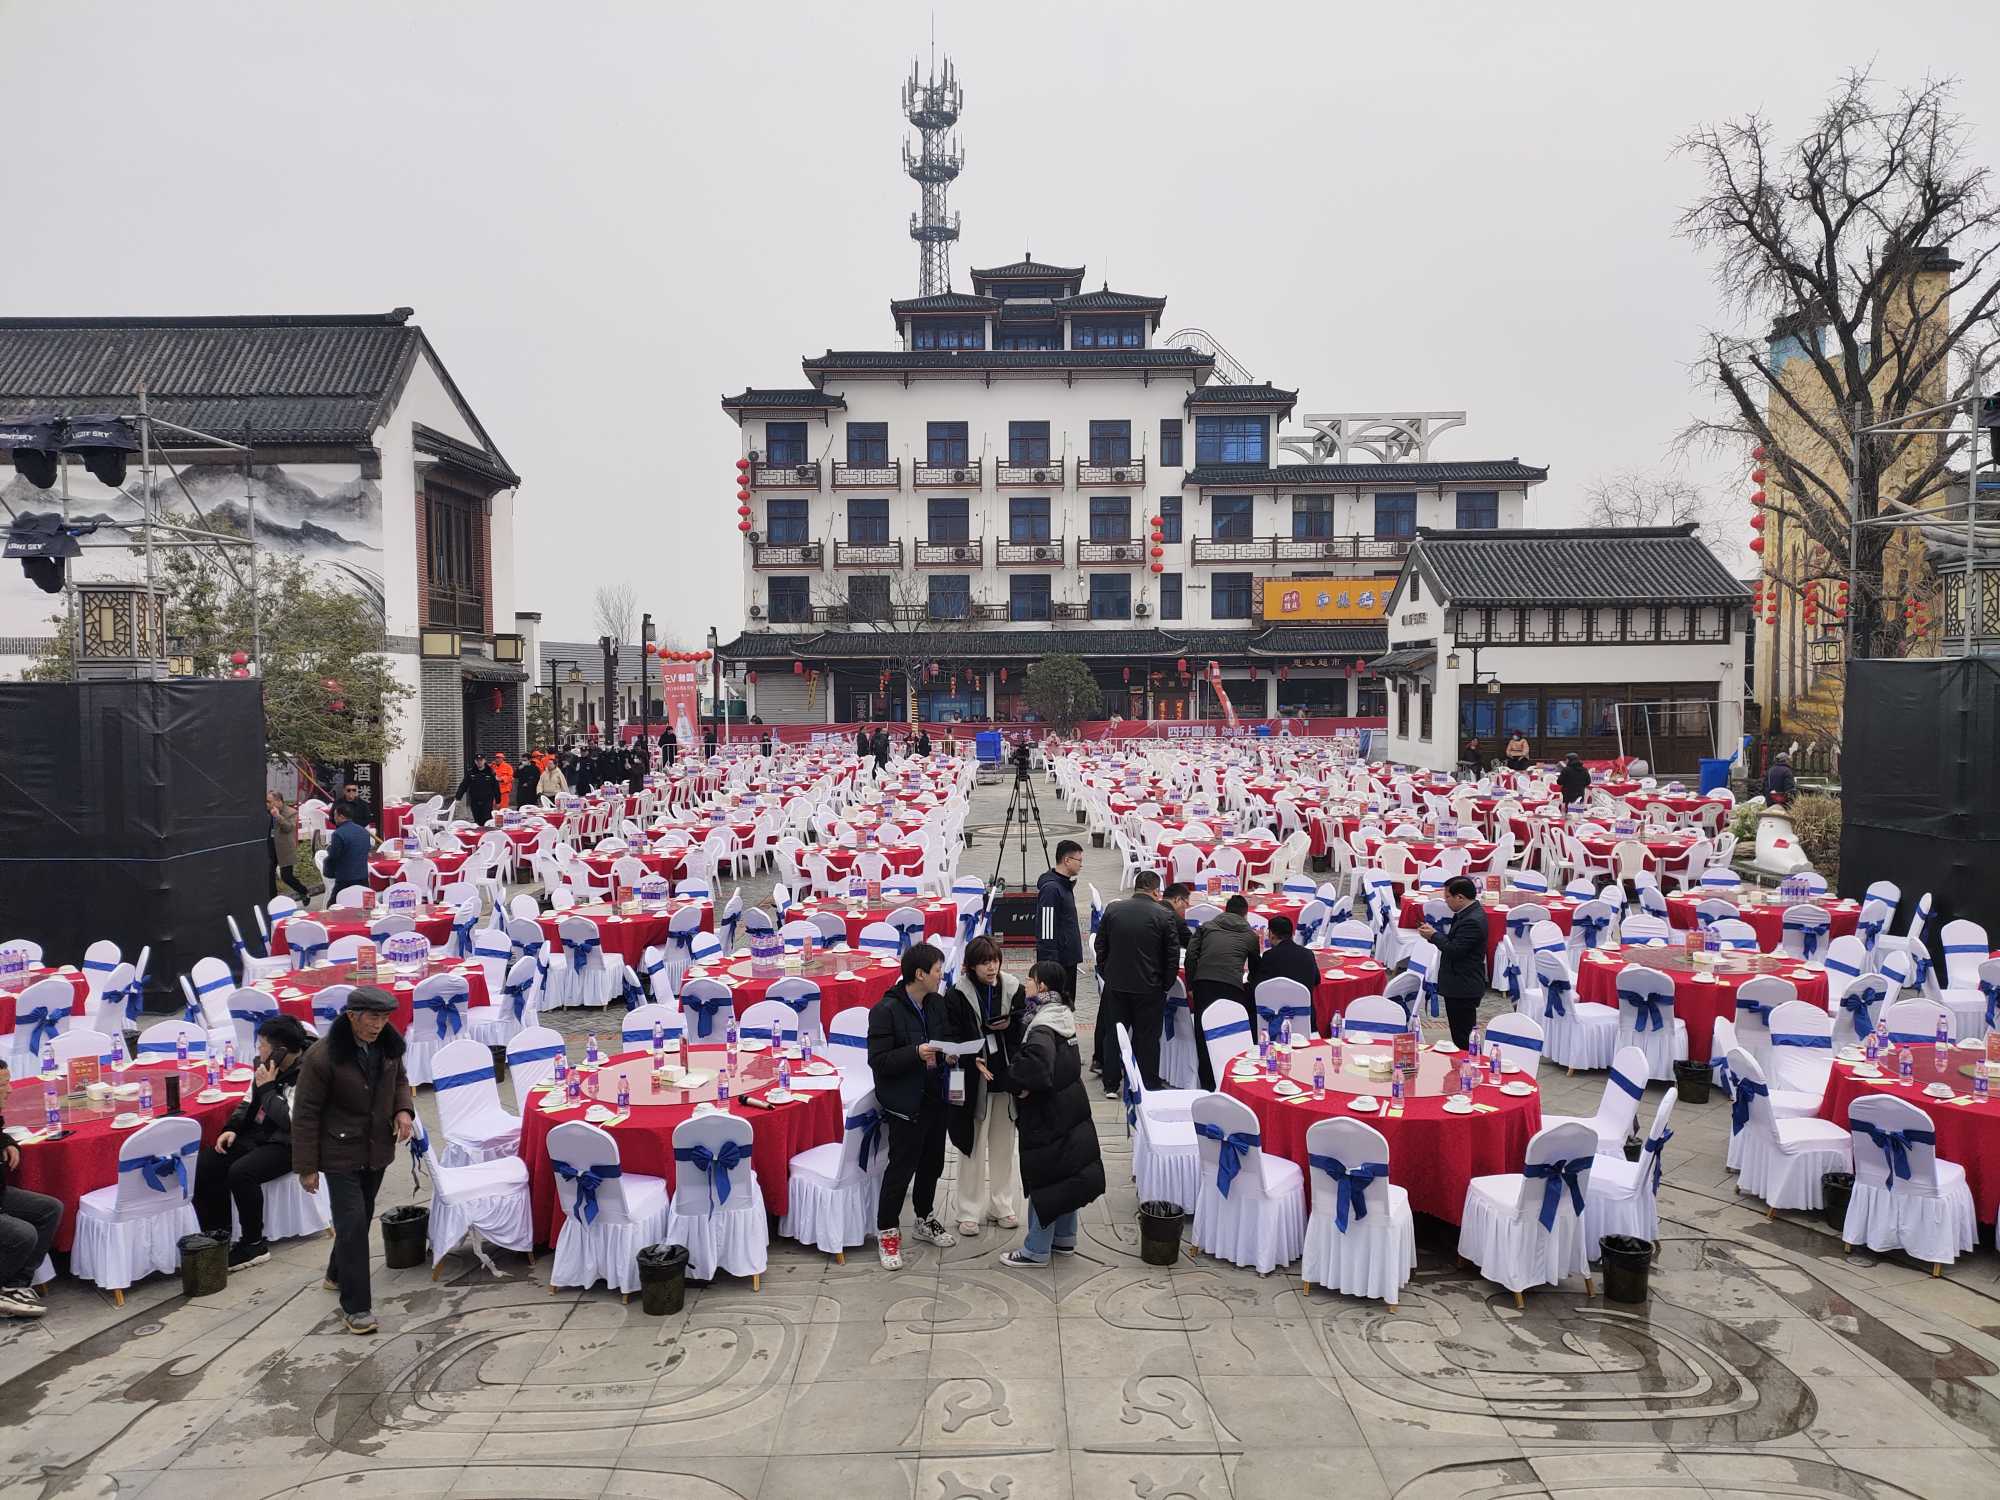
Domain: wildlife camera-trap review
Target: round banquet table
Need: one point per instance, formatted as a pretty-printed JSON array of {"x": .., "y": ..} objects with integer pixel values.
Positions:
[
  {"x": 521, "y": 835},
  {"x": 904, "y": 859},
  {"x": 844, "y": 980},
  {"x": 1765, "y": 914},
  {"x": 1659, "y": 845},
  {"x": 294, "y": 991},
  {"x": 1433, "y": 1154},
  {"x": 1256, "y": 852},
  {"x": 940, "y": 917},
  {"x": 1680, "y": 807},
  {"x": 1967, "y": 1132},
  {"x": 669, "y": 864},
  {"x": 434, "y": 922},
  {"x": 1423, "y": 850},
  {"x": 698, "y": 829},
  {"x": 79, "y": 1004},
  {"x": 1699, "y": 997},
  {"x": 382, "y": 872},
  {"x": 395, "y": 817},
  {"x": 88, "y": 1159},
  {"x": 646, "y": 1138},
  {"x": 626, "y": 937},
  {"x": 1498, "y": 905}
]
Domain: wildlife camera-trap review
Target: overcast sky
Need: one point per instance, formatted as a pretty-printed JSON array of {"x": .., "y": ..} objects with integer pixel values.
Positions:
[{"x": 606, "y": 216}]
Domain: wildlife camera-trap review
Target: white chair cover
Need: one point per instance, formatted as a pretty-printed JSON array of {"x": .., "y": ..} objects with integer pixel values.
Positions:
[
  {"x": 476, "y": 1127},
  {"x": 1250, "y": 1208},
  {"x": 1782, "y": 1159},
  {"x": 133, "y": 1228},
  {"x": 1618, "y": 1106},
  {"x": 834, "y": 1188},
  {"x": 608, "y": 1217},
  {"x": 1624, "y": 1196},
  {"x": 717, "y": 1211},
  {"x": 531, "y": 1058},
  {"x": 1525, "y": 1228},
  {"x": 1646, "y": 1019},
  {"x": 1904, "y": 1197},
  {"x": 1361, "y": 1238}
]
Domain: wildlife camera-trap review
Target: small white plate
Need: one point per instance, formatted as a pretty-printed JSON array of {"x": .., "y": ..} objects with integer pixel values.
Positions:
[
  {"x": 1444, "y": 1049},
  {"x": 597, "y": 1114},
  {"x": 1970, "y": 1044},
  {"x": 1704, "y": 979},
  {"x": 1363, "y": 1104},
  {"x": 1867, "y": 1070},
  {"x": 239, "y": 1075},
  {"x": 1458, "y": 1104},
  {"x": 1286, "y": 1087},
  {"x": 1849, "y": 1054},
  {"x": 127, "y": 1120},
  {"x": 847, "y": 974},
  {"x": 209, "y": 1096},
  {"x": 780, "y": 1096},
  {"x": 1938, "y": 1091},
  {"x": 1517, "y": 1090},
  {"x": 751, "y": 1044}
]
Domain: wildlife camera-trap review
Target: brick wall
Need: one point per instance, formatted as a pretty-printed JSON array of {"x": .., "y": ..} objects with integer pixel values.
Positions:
[{"x": 442, "y": 709}]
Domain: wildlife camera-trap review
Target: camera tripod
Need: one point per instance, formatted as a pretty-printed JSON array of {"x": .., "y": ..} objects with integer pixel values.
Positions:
[{"x": 1021, "y": 806}]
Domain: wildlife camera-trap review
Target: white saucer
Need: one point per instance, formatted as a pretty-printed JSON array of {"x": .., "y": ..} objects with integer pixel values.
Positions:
[
  {"x": 126, "y": 1120},
  {"x": 1867, "y": 1070},
  {"x": 751, "y": 1044},
  {"x": 1445, "y": 1049},
  {"x": 597, "y": 1114},
  {"x": 1937, "y": 1091},
  {"x": 1363, "y": 1104},
  {"x": 1517, "y": 1090},
  {"x": 780, "y": 1096},
  {"x": 209, "y": 1096},
  {"x": 1458, "y": 1104},
  {"x": 1286, "y": 1087}
]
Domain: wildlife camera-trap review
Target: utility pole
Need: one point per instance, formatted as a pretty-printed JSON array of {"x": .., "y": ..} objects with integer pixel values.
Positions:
[
  {"x": 646, "y": 687},
  {"x": 610, "y": 649}
]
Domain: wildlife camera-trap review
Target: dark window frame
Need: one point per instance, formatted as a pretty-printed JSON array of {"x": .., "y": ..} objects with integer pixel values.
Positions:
[
  {"x": 788, "y": 520},
  {"x": 1171, "y": 513},
  {"x": 1477, "y": 510},
  {"x": 785, "y": 444},
  {"x": 1312, "y": 518},
  {"x": 1110, "y": 596},
  {"x": 1232, "y": 440},
  {"x": 1401, "y": 509},
  {"x": 868, "y": 443},
  {"x": 1110, "y": 441},
  {"x": 1231, "y": 596},
  {"x": 956, "y": 528},
  {"x": 946, "y": 445},
  {"x": 1171, "y": 601},
  {"x": 1027, "y": 443},
  {"x": 1111, "y": 518},
  {"x": 874, "y": 528},
  {"x": 797, "y": 595},
  {"x": 1030, "y": 596},
  {"x": 1170, "y": 443},
  {"x": 1021, "y": 508},
  {"x": 1238, "y": 523}
]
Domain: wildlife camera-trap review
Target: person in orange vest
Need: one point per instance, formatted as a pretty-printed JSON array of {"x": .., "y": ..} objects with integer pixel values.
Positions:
[{"x": 504, "y": 774}]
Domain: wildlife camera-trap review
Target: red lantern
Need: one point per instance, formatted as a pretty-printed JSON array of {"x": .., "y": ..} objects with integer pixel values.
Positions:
[
  {"x": 1757, "y": 522},
  {"x": 1159, "y": 567},
  {"x": 240, "y": 672},
  {"x": 339, "y": 705},
  {"x": 798, "y": 668},
  {"x": 1128, "y": 674},
  {"x": 499, "y": 700},
  {"x": 1757, "y": 453},
  {"x": 1756, "y": 476},
  {"x": 1359, "y": 664},
  {"x": 1181, "y": 665},
  {"x": 1159, "y": 552},
  {"x": 1003, "y": 674},
  {"x": 1756, "y": 544},
  {"x": 743, "y": 495},
  {"x": 743, "y": 466},
  {"x": 652, "y": 649},
  {"x": 1757, "y": 497},
  {"x": 742, "y": 525},
  {"x": 743, "y": 511},
  {"x": 751, "y": 678},
  {"x": 239, "y": 658}
]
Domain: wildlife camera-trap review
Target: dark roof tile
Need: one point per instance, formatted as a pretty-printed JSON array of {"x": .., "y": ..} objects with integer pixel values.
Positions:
[
  {"x": 1263, "y": 394},
  {"x": 753, "y": 398},
  {"x": 465, "y": 455},
  {"x": 1106, "y": 300},
  {"x": 1366, "y": 476},
  {"x": 1585, "y": 565},
  {"x": 1029, "y": 269},
  {"x": 944, "y": 302},
  {"x": 1006, "y": 359}
]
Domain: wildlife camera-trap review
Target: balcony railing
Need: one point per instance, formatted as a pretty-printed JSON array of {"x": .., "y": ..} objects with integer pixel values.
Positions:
[
  {"x": 1273, "y": 549},
  {"x": 1126, "y": 471},
  {"x": 868, "y": 554},
  {"x": 788, "y": 555},
  {"x": 1041, "y": 471},
  {"x": 882, "y": 476},
  {"x": 1063, "y": 609},
  {"x": 786, "y": 476},
  {"x": 884, "y": 616},
  {"x": 1030, "y": 554},
  {"x": 1110, "y": 552},
  {"x": 967, "y": 475},
  {"x": 451, "y": 608},
  {"x": 967, "y": 554}
]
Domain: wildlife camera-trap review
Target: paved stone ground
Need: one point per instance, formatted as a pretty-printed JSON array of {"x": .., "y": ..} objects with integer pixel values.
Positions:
[{"x": 1767, "y": 1363}]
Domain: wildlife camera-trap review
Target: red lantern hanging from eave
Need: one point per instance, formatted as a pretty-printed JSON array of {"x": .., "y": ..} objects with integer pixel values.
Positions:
[
  {"x": 1758, "y": 453},
  {"x": 1159, "y": 567},
  {"x": 1756, "y": 476},
  {"x": 1128, "y": 674},
  {"x": 1284, "y": 674},
  {"x": 1003, "y": 674},
  {"x": 743, "y": 526},
  {"x": 1756, "y": 544},
  {"x": 1758, "y": 498},
  {"x": 1181, "y": 666},
  {"x": 798, "y": 668},
  {"x": 499, "y": 701},
  {"x": 751, "y": 678},
  {"x": 744, "y": 496},
  {"x": 1757, "y": 522}
]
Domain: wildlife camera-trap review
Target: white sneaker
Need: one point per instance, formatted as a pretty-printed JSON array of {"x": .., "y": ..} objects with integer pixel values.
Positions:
[
  {"x": 889, "y": 1244},
  {"x": 932, "y": 1231}
]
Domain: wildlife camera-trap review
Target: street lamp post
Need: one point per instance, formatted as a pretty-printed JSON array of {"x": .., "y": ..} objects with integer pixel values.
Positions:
[
  {"x": 646, "y": 689},
  {"x": 610, "y": 649}
]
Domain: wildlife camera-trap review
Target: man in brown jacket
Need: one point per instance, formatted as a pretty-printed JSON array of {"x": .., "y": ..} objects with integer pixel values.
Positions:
[{"x": 352, "y": 1105}]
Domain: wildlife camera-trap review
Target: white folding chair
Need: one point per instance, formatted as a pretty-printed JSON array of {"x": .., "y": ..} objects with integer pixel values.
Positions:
[
  {"x": 1250, "y": 1207},
  {"x": 133, "y": 1228},
  {"x": 880, "y": 937},
  {"x": 1373, "y": 1020},
  {"x": 1178, "y": 1068},
  {"x": 847, "y": 1043},
  {"x": 1521, "y": 1043},
  {"x": 1279, "y": 1002},
  {"x": 1801, "y": 1052},
  {"x": 1782, "y": 1160},
  {"x": 83, "y": 1042},
  {"x": 475, "y": 1125},
  {"x": 249, "y": 1009},
  {"x": 834, "y": 1188},
  {"x": 42, "y": 1011},
  {"x": 163, "y": 1039},
  {"x": 801, "y": 996},
  {"x": 636, "y": 1031},
  {"x": 1225, "y": 1028},
  {"x": 305, "y": 942},
  {"x": 1164, "y": 1163},
  {"x": 531, "y": 1058},
  {"x": 1361, "y": 1238},
  {"x": 770, "y": 1021},
  {"x": 1905, "y": 1196},
  {"x": 717, "y": 1212},
  {"x": 1623, "y": 1197},
  {"x": 1619, "y": 1104},
  {"x": 1525, "y": 1228},
  {"x": 608, "y": 1216}
]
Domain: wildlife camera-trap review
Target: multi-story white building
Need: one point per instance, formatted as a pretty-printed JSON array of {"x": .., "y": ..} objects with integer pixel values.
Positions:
[{"x": 983, "y": 493}]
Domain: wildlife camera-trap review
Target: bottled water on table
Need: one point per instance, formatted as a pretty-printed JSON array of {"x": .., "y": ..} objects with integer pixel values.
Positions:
[
  {"x": 145, "y": 1096},
  {"x": 1396, "y": 1086},
  {"x": 1319, "y": 1078},
  {"x": 624, "y": 1092},
  {"x": 590, "y": 1050},
  {"x": 1906, "y": 1064},
  {"x": 722, "y": 1091},
  {"x": 1940, "y": 1057},
  {"x": 659, "y": 1042}
]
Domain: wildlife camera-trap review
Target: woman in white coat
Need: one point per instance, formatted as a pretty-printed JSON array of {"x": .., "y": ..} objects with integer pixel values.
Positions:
[{"x": 991, "y": 1005}]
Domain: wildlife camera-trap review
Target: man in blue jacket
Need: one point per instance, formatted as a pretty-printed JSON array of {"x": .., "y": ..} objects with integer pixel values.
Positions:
[
  {"x": 1057, "y": 937},
  {"x": 347, "y": 850}
]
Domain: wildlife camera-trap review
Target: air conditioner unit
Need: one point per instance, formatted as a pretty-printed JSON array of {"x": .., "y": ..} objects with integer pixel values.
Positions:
[
  {"x": 1142, "y": 609},
  {"x": 960, "y": 476},
  {"x": 961, "y": 554},
  {"x": 755, "y": 537},
  {"x": 756, "y": 611},
  {"x": 756, "y": 456},
  {"x": 1041, "y": 476},
  {"x": 1043, "y": 554},
  {"x": 1120, "y": 476}
]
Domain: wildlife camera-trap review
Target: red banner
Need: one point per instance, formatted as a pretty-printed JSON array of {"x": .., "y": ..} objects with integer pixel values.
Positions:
[{"x": 680, "y": 692}]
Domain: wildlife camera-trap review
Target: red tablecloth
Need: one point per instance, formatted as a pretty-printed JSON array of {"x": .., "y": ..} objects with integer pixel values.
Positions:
[
  {"x": 382, "y": 872},
  {"x": 904, "y": 859},
  {"x": 670, "y": 864},
  {"x": 395, "y": 817},
  {"x": 1423, "y": 850},
  {"x": 1256, "y": 852},
  {"x": 1672, "y": 848},
  {"x": 1679, "y": 806},
  {"x": 434, "y": 922},
  {"x": 1968, "y": 1134},
  {"x": 1766, "y": 918},
  {"x": 294, "y": 992},
  {"x": 1698, "y": 1000},
  {"x": 940, "y": 917},
  {"x": 79, "y": 995},
  {"x": 1433, "y": 1155},
  {"x": 871, "y": 975},
  {"x": 646, "y": 1140},
  {"x": 698, "y": 829},
  {"x": 1560, "y": 909},
  {"x": 625, "y": 937},
  {"x": 1342, "y": 980},
  {"x": 88, "y": 1159}
]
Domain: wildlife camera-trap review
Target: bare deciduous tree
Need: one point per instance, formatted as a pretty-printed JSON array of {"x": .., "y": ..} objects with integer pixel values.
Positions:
[
  {"x": 615, "y": 611},
  {"x": 1631, "y": 498},
  {"x": 908, "y": 634},
  {"x": 1838, "y": 242}
]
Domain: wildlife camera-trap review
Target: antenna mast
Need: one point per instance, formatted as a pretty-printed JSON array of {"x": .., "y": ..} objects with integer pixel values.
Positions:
[{"x": 932, "y": 104}]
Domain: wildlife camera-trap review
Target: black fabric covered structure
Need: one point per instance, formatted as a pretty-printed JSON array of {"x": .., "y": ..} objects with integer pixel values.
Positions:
[
  {"x": 1919, "y": 793},
  {"x": 132, "y": 811}
]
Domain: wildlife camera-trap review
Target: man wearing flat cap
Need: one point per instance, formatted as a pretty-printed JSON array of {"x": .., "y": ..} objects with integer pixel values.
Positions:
[{"x": 351, "y": 1107}]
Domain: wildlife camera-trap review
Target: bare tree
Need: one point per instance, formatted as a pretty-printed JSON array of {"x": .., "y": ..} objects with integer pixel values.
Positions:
[
  {"x": 1867, "y": 246},
  {"x": 615, "y": 611},
  {"x": 1631, "y": 498},
  {"x": 908, "y": 633}
]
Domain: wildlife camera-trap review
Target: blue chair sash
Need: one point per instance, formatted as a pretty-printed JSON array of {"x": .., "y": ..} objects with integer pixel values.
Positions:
[
  {"x": 1553, "y": 991},
  {"x": 1855, "y": 1003},
  {"x": 587, "y": 1180},
  {"x": 1912, "y": 1038},
  {"x": 1168, "y": 1023},
  {"x": 1809, "y": 936},
  {"x": 42, "y": 1021},
  {"x": 1526, "y": 1043},
  {"x": 579, "y": 950},
  {"x": 1233, "y": 1145},
  {"x": 642, "y": 1036},
  {"x": 766, "y": 1033},
  {"x": 1895, "y": 1144},
  {"x": 1923, "y": 974},
  {"x": 1275, "y": 1015},
  {"x": 717, "y": 1165},
  {"x": 1794, "y": 1040},
  {"x": 308, "y": 955},
  {"x": 1636, "y": 1088},
  {"x": 683, "y": 940},
  {"x": 460, "y": 1080},
  {"x": 1869, "y": 933},
  {"x": 705, "y": 1008},
  {"x": 846, "y": 1039},
  {"x": 535, "y": 1054},
  {"x": 1554, "y": 1175},
  {"x": 1233, "y": 1028},
  {"x": 798, "y": 1003},
  {"x": 1991, "y": 991},
  {"x": 1592, "y": 928},
  {"x": 156, "y": 1168},
  {"x": 133, "y": 998},
  {"x": 1655, "y": 1145},
  {"x": 1511, "y": 976},
  {"x": 99, "y": 966},
  {"x": 197, "y": 1046},
  {"x": 1353, "y": 1184},
  {"x": 1648, "y": 1008},
  {"x": 444, "y": 1014},
  {"x": 518, "y": 994},
  {"x": 869, "y": 1123},
  {"x": 461, "y": 935},
  {"x": 1378, "y": 1028},
  {"x": 1739, "y": 1111}
]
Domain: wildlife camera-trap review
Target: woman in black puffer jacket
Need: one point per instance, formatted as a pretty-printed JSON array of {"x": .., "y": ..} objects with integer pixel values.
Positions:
[{"x": 1061, "y": 1170}]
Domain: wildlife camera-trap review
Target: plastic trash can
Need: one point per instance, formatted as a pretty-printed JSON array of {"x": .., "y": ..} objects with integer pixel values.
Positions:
[
  {"x": 1160, "y": 1225},
  {"x": 1714, "y": 772},
  {"x": 204, "y": 1264},
  {"x": 1693, "y": 1080},
  {"x": 662, "y": 1279},
  {"x": 1628, "y": 1265},
  {"x": 1836, "y": 1188},
  {"x": 405, "y": 1231}
]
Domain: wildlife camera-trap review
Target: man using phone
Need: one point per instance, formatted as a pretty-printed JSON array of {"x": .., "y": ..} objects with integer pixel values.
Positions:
[
  {"x": 352, "y": 1107},
  {"x": 27, "y": 1228},
  {"x": 255, "y": 1147}
]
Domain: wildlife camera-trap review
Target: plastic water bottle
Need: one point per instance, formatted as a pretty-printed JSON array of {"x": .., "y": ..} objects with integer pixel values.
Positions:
[
  {"x": 624, "y": 1092},
  {"x": 1493, "y": 1063},
  {"x": 48, "y": 1062},
  {"x": 806, "y": 1045},
  {"x": 1319, "y": 1077},
  {"x": 52, "y": 1106},
  {"x": 1270, "y": 1062},
  {"x": 145, "y": 1096},
  {"x": 573, "y": 1086},
  {"x": 590, "y": 1051},
  {"x": 722, "y": 1091},
  {"x": 1906, "y": 1064},
  {"x": 784, "y": 1076},
  {"x": 181, "y": 1050},
  {"x": 562, "y": 1067},
  {"x": 1333, "y": 1053},
  {"x": 659, "y": 1042},
  {"x": 730, "y": 1037},
  {"x": 1871, "y": 1045},
  {"x": 1396, "y": 1087},
  {"x": 229, "y": 1055},
  {"x": 210, "y": 1077},
  {"x": 1285, "y": 1032},
  {"x": 1468, "y": 1076},
  {"x": 1476, "y": 1043},
  {"x": 1338, "y": 1029},
  {"x": 1940, "y": 1056},
  {"x": 1981, "y": 1089},
  {"x": 1881, "y": 1032}
]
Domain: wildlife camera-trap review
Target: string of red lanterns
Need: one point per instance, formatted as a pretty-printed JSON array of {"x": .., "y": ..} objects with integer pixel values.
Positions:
[{"x": 743, "y": 511}]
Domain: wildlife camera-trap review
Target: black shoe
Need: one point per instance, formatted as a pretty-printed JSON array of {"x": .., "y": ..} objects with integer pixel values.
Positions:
[{"x": 247, "y": 1253}]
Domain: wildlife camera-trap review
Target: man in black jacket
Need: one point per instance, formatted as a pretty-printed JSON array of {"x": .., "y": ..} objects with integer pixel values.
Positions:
[
  {"x": 1138, "y": 954},
  {"x": 255, "y": 1147},
  {"x": 912, "y": 1084},
  {"x": 1284, "y": 959},
  {"x": 1058, "y": 939},
  {"x": 1461, "y": 945},
  {"x": 480, "y": 788},
  {"x": 1574, "y": 780},
  {"x": 879, "y": 746},
  {"x": 27, "y": 1228}
]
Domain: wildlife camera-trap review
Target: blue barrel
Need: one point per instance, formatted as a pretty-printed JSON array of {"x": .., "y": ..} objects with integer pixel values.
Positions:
[
  {"x": 986, "y": 745},
  {"x": 1714, "y": 772}
]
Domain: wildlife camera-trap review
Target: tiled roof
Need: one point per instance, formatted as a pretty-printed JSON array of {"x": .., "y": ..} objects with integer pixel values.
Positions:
[
  {"x": 589, "y": 658},
  {"x": 1321, "y": 640},
  {"x": 1588, "y": 565},
  {"x": 1264, "y": 394},
  {"x": 1029, "y": 270},
  {"x": 307, "y": 380},
  {"x": 808, "y": 397},
  {"x": 1106, "y": 300},
  {"x": 465, "y": 455},
  {"x": 944, "y": 302},
  {"x": 1405, "y": 660},
  {"x": 1365, "y": 476},
  {"x": 1006, "y": 359}
]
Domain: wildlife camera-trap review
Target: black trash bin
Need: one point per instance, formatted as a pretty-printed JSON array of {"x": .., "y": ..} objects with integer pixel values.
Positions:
[
  {"x": 662, "y": 1279},
  {"x": 1835, "y": 1189},
  {"x": 1693, "y": 1079},
  {"x": 204, "y": 1264},
  {"x": 405, "y": 1231},
  {"x": 1160, "y": 1226},
  {"x": 1628, "y": 1263}
]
